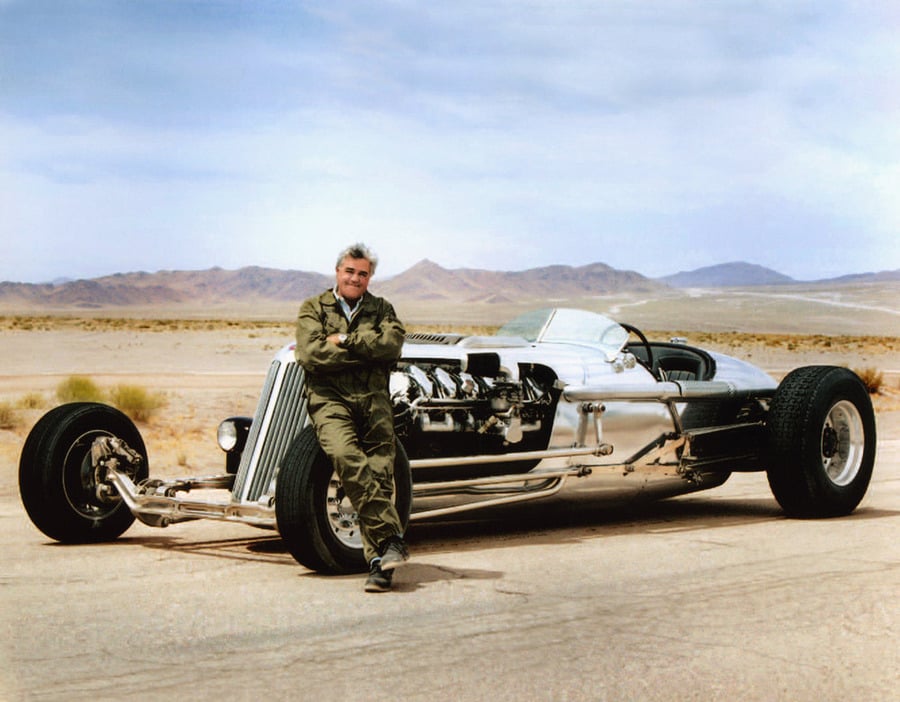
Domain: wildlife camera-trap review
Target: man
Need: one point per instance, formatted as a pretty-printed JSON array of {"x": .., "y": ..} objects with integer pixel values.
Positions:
[{"x": 347, "y": 341}]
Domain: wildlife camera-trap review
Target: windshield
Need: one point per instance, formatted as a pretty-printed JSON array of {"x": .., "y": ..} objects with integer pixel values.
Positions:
[{"x": 564, "y": 325}]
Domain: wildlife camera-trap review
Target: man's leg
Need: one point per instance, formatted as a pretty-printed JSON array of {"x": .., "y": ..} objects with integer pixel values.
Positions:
[
  {"x": 379, "y": 445},
  {"x": 336, "y": 428}
]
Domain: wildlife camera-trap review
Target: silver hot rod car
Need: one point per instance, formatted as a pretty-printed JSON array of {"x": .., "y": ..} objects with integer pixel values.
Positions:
[{"x": 559, "y": 397}]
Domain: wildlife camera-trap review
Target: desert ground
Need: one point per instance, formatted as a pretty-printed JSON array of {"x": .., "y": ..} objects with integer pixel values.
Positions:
[{"x": 709, "y": 596}]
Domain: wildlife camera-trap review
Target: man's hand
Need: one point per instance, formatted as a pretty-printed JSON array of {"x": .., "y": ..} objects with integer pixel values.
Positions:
[{"x": 336, "y": 339}]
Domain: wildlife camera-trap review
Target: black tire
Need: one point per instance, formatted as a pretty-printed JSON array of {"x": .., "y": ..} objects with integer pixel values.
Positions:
[
  {"x": 56, "y": 480},
  {"x": 314, "y": 517},
  {"x": 821, "y": 442}
]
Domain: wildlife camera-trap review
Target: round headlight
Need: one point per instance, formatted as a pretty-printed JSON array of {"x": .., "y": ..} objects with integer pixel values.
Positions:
[{"x": 227, "y": 435}]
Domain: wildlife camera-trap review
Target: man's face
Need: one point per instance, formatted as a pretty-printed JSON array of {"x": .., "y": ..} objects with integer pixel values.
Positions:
[{"x": 353, "y": 278}]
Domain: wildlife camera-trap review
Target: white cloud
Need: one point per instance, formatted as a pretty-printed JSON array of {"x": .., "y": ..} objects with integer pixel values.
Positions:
[{"x": 652, "y": 136}]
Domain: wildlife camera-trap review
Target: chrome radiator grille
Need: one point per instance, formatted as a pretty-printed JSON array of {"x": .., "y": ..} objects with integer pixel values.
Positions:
[{"x": 280, "y": 415}]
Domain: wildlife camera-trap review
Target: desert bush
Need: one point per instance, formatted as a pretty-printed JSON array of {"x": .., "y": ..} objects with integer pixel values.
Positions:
[
  {"x": 32, "y": 400},
  {"x": 9, "y": 418},
  {"x": 78, "y": 388},
  {"x": 137, "y": 402},
  {"x": 872, "y": 378}
]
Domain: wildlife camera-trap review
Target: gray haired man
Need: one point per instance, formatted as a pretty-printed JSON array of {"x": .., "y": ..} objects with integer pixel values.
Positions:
[{"x": 347, "y": 341}]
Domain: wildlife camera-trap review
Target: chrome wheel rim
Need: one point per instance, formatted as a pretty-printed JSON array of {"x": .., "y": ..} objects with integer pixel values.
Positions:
[
  {"x": 342, "y": 517},
  {"x": 842, "y": 443}
]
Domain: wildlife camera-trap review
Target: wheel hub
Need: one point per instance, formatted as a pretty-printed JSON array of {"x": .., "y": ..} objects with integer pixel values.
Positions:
[
  {"x": 343, "y": 518},
  {"x": 829, "y": 442},
  {"x": 843, "y": 443},
  {"x": 81, "y": 480}
]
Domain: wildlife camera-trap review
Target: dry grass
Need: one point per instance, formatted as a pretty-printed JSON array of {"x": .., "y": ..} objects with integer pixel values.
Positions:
[
  {"x": 789, "y": 342},
  {"x": 9, "y": 417},
  {"x": 33, "y": 400},
  {"x": 79, "y": 388},
  {"x": 137, "y": 402},
  {"x": 100, "y": 324},
  {"x": 134, "y": 400},
  {"x": 872, "y": 378}
]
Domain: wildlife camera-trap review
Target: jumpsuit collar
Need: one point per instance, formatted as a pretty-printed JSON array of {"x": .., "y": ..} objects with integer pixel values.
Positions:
[{"x": 349, "y": 312}]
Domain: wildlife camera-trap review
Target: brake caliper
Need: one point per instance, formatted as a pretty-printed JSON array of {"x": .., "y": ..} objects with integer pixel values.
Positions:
[{"x": 112, "y": 453}]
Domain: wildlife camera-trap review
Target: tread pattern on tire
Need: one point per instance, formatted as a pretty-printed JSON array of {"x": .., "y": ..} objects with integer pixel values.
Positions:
[
  {"x": 294, "y": 504},
  {"x": 794, "y": 426}
]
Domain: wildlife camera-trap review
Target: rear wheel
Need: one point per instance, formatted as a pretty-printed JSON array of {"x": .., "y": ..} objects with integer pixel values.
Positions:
[
  {"x": 315, "y": 518},
  {"x": 821, "y": 442},
  {"x": 57, "y": 481}
]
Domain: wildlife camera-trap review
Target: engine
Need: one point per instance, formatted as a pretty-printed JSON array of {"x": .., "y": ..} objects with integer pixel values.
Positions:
[{"x": 442, "y": 410}]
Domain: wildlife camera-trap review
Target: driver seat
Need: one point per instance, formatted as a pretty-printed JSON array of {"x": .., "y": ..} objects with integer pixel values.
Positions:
[{"x": 680, "y": 368}]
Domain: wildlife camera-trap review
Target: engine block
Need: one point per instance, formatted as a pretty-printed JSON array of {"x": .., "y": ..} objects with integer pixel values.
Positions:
[{"x": 491, "y": 412}]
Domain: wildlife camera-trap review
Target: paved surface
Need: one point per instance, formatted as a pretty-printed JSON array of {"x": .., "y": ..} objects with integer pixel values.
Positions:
[{"x": 713, "y": 596}]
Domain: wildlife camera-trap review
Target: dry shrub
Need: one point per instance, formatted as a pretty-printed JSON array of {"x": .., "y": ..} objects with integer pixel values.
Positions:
[
  {"x": 137, "y": 402},
  {"x": 78, "y": 388},
  {"x": 32, "y": 400},
  {"x": 9, "y": 418},
  {"x": 872, "y": 378}
]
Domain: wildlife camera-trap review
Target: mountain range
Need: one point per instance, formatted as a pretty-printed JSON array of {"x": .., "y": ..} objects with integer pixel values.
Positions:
[
  {"x": 737, "y": 274},
  {"x": 425, "y": 281}
]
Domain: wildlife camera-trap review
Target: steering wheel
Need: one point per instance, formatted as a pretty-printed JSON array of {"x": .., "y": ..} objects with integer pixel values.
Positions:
[{"x": 640, "y": 335}]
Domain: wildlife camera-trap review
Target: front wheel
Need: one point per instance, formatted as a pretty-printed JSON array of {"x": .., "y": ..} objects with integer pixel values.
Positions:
[
  {"x": 315, "y": 517},
  {"x": 821, "y": 442},
  {"x": 58, "y": 482}
]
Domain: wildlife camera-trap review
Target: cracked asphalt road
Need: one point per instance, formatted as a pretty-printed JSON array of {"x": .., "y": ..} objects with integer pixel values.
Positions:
[{"x": 713, "y": 596}]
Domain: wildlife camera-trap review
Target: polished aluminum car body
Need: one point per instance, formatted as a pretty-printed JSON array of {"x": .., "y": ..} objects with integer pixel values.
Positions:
[{"x": 558, "y": 389}]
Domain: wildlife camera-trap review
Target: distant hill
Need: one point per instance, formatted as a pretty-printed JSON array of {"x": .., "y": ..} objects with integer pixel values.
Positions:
[
  {"x": 735, "y": 274},
  {"x": 740, "y": 274},
  {"x": 219, "y": 285},
  {"x": 169, "y": 287},
  {"x": 880, "y": 277},
  {"x": 427, "y": 280},
  {"x": 423, "y": 282}
]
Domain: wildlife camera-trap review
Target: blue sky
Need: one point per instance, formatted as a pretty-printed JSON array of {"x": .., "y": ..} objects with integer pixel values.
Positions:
[{"x": 651, "y": 135}]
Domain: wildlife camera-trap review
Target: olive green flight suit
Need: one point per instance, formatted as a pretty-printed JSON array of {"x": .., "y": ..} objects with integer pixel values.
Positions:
[{"x": 349, "y": 403}]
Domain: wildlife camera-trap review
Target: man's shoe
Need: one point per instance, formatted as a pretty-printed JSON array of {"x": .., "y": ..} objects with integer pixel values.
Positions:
[
  {"x": 394, "y": 553},
  {"x": 379, "y": 580}
]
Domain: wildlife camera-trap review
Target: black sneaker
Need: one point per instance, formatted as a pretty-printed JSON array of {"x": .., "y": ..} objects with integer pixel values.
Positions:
[
  {"x": 379, "y": 580},
  {"x": 394, "y": 553}
]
